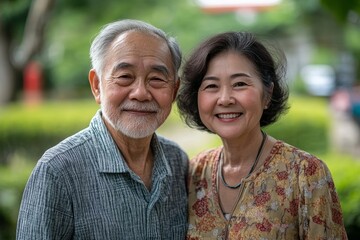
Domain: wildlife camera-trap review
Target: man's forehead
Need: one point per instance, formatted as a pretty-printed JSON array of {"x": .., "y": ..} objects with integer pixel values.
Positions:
[
  {"x": 136, "y": 37},
  {"x": 132, "y": 45}
]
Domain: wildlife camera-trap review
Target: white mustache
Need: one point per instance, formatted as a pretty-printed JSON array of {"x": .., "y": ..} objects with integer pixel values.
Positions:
[{"x": 145, "y": 106}]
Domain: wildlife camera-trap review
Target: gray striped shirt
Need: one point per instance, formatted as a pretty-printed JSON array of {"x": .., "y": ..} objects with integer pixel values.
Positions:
[{"x": 83, "y": 189}]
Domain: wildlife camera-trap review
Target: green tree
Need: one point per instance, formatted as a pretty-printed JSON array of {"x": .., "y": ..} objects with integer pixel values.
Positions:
[
  {"x": 63, "y": 47},
  {"x": 22, "y": 26},
  {"x": 342, "y": 9}
]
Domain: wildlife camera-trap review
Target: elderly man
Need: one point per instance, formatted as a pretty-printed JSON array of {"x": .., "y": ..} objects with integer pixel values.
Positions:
[{"x": 116, "y": 179}]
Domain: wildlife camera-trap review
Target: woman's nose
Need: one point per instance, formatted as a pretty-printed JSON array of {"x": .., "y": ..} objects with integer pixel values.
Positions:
[{"x": 225, "y": 97}]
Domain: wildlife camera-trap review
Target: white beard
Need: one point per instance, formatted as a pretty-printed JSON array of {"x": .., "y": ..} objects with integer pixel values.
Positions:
[{"x": 133, "y": 127}]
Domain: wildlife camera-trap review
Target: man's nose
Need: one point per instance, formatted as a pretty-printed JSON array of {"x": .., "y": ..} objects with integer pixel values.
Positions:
[{"x": 140, "y": 91}]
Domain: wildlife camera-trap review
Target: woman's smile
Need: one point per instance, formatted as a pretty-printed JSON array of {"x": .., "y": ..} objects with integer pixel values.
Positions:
[{"x": 228, "y": 116}]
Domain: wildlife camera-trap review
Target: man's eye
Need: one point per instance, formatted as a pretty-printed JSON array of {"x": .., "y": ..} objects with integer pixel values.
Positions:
[
  {"x": 157, "y": 79},
  {"x": 124, "y": 76},
  {"x": 157, "y": 82},
  {"x": 123, "y": 79}
]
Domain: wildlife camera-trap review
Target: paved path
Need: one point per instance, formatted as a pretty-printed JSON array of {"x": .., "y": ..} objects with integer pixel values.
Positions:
[
  {"x": 191, "y": 140},
  {"x": 345, "y": 134}
]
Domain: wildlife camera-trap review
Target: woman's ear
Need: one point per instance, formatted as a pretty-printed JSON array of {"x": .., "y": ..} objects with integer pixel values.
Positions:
[
  {"x": 95, "y": 85},
  {"x": 269, "y": 96}
]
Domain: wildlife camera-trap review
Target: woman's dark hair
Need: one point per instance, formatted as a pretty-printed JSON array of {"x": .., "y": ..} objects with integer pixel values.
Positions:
[{"x": 270, "y": 70}]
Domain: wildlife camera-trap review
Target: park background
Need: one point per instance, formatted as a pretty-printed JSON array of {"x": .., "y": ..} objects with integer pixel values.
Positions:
[{"x": 45, "y": 95}]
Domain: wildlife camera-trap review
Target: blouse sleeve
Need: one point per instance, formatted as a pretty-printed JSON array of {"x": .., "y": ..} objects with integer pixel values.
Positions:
[{"x": 319, "y": 206}]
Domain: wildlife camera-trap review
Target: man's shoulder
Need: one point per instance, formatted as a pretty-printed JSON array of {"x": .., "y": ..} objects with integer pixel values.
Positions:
[{"x": 72, "y": 147}]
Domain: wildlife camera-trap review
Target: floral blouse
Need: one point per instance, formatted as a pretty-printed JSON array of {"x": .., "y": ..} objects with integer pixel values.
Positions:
[{"x": 291, "y": 196}]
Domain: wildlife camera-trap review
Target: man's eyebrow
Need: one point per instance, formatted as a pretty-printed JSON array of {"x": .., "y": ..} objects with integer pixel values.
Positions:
[
  {"x": 122, "y": 65},
  {"x": 158, "y": 68},
  {"x": 162, "y": 69}
]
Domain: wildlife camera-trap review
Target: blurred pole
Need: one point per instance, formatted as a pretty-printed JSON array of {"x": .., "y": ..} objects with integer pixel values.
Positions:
[
  {"x": 345, "y": 106},
  {"x": 33, "y": 37},
  {"x": 7, "y": 77},
  {"x": 346, "y": 71},
  {"x": 33, "y": 83}
]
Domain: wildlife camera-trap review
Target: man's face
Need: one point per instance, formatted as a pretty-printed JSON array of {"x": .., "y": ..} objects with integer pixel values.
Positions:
[{"x": 138, "y": 84}]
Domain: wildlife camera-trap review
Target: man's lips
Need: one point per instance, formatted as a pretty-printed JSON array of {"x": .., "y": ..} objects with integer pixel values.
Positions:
[
  {"x": 137, "y": 108},
  {"x": 139, "y": 111}
]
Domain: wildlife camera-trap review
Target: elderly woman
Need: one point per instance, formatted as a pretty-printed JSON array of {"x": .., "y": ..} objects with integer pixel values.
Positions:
[{"x": 254, "y": 186}]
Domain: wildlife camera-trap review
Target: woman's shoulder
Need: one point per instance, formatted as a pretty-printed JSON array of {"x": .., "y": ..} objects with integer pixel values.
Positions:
[
  {"x": 206, "y": 158},
  {"x": 303, "y": 161},
  {"x": 207, "y": 155},
  {"x": 293, "y": 153}
]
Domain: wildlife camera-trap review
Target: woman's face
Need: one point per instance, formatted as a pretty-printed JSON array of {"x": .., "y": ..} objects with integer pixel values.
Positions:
[{"x": 230, "y": 97}]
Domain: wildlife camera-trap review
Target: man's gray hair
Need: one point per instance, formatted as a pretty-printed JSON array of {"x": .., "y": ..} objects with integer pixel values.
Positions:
[{"x": 101, "y": 43}]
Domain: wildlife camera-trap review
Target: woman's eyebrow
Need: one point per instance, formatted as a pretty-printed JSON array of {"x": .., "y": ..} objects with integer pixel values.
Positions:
[{"x": 235, "y": 75}]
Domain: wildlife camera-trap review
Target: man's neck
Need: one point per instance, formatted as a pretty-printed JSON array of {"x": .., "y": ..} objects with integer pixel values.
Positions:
[{"x": 137, "y": 154}]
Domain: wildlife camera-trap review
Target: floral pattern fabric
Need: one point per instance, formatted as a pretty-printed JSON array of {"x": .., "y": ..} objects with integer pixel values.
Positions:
[{"x": 291, "y": 196}]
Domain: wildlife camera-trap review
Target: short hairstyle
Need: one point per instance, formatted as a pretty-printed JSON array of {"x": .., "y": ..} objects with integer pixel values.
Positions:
[
  {"x": 101, "y": 43},
  {"x": 245, "y": 44}
]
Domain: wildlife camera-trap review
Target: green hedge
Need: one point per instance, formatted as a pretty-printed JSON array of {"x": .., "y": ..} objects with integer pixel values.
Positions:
[
  {"x": 12, "y": 181},
  {"x": 25, "y": 133},
  {"x": 30, "y": 130},
  {"x": 306, "y": 125},
  {"x": 346, "y": 174}
]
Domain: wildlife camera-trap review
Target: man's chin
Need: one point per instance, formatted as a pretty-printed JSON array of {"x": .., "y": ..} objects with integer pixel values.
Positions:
[
  {"x": 135, "y": 132},
  {"x": 138, "y": 136}
]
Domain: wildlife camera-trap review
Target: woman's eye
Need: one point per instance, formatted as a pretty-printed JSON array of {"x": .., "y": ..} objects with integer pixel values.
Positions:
[
  {"x": 209, "y": 86},
  {"x": 239, "y": 84}
]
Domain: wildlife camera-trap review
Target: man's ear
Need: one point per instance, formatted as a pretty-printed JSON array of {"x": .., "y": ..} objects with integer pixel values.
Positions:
[
  {"x": 176, "y": 88},
  {"x": 95, "y": 85}
]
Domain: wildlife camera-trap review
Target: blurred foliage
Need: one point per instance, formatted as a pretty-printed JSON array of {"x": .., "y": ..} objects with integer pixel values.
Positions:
[
  {"x": 13, "y": 14},
  {"x": 40, "y": 127},
  {"x": 304, "y": 127},
  {"x": 13, "y": 178},
  {"x": 342, "y": 9},
  {"x": 73, "y": 24},
  {"x": 346, "y": 176}
]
